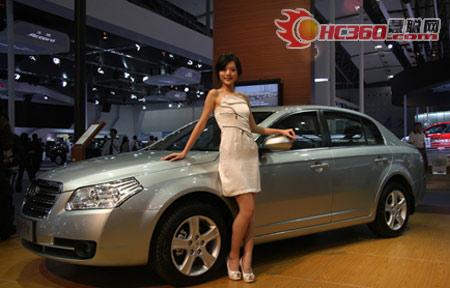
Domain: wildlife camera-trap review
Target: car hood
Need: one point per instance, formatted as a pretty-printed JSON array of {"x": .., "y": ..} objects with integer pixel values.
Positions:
[{"x": 107, "y": 168}]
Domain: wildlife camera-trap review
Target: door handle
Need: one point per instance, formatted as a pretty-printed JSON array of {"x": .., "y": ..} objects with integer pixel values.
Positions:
[
  {"x": 380, "y": 160},
  {"x": 319, "y": 167}
]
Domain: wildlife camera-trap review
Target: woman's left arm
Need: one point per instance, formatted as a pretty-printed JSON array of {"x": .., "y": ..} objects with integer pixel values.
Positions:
[{"x": 268, "y": 131}]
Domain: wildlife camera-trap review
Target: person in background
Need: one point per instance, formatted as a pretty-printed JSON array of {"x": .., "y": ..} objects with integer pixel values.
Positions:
[
  {"x": 417, "y": 138},
  {"x": 134, "y": 144},
  {"x": 125, "y": 146},
  {"x": 20, "y": 154},
  {"x": 35, "y": 154},
  {"x": 6, "y": 162},
  {"x": 112, "y": 145},
  {"x": 151, "y": 139}
]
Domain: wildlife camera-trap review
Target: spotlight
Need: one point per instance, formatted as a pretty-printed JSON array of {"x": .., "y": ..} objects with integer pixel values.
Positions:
[
  {"x": 94, "y": 88},
  {"x": 64, "y": 75},
  {"x": 144, "y": 108},
  {"x": 390, "y": 76},
  {"x": 198, "y": 96},
  {"x": 199, "y": 65},
  {"x": 170, "y": 105},
  {"x": 186, "y": 89},
  {"x": 132, "y": 79},
  {"x": 56, "y": 60},
  {"x": 45, "y": 97},
  {"x": 145, "y": 78},
  {"x": 390, "y": 46},
  {"x": 100, "y": 70},
  {"x": 16, "y": 76},
  {"x": 190, "y": 62},
  {"x": 32, "y": 58},
  {"x": 171, "y": 56},
  {"x": 64, "y": 83},
  {"x": 138, "y": 47},
  {"x": 133, "y": 96},
  {"x": 142, "y": 100},
  {"x": 97, "y": 102},
  {"x": 126, "y": 75},
  {"x": 112, "y": 92},
  {"x": 378, "y": 46},
  {"x": 104, "y": 36},
  {"x": 318, "y": 80}
]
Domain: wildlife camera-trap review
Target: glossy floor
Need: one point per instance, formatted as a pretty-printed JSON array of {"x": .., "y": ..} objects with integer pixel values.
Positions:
[{"x": 350, "y": 257}]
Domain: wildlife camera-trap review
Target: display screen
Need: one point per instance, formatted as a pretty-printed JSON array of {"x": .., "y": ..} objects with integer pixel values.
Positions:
[{"x": 261, "y": 94}]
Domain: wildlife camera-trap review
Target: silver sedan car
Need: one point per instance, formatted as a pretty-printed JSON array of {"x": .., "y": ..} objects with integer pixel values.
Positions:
[{"x": 343, "y": 169}]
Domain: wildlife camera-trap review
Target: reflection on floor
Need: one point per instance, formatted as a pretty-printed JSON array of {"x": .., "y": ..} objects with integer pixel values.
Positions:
[{"x": 350, "y": 257}]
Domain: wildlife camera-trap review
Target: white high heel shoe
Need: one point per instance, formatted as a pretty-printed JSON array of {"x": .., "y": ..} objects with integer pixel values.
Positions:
[
  {"x": 233, "y": 275},
  {"x": 247, "y": 277}
]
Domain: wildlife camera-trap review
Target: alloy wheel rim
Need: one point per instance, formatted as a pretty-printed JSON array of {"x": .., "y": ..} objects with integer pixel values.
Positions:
[
  {"x": 396, "y": 210},
  {"x": 195, "y": 245}
]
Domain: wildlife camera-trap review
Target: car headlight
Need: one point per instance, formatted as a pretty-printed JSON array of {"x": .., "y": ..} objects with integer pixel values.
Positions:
[{"x": 103, "y": 196}]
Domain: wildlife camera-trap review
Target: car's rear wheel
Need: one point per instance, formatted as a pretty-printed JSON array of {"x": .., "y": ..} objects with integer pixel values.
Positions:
[
  {"x": 392, "y": 211},
  {"x": 190, "y": 245}
]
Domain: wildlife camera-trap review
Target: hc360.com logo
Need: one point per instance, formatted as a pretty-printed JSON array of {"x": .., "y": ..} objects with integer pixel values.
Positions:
[{"x": 300, "y": 28}]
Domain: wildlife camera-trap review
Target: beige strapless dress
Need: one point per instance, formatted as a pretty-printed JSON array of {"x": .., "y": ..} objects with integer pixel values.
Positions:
[{"x": 238, "y": 160}]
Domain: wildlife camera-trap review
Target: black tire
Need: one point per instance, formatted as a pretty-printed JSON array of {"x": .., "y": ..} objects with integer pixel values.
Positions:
[
  {"x": 162, "y": 257},
  {"x": 380, "y": 226}
]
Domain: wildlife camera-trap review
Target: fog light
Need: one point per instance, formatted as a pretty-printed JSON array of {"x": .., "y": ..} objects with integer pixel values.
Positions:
[{"x": 85, "y": 249}]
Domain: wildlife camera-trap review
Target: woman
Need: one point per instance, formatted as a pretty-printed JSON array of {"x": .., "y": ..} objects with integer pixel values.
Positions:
[
  {"x": 125, "y": 146},
  {"x": 238, "y": 162}
]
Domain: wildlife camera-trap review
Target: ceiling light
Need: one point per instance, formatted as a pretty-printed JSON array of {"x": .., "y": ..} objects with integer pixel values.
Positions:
[
  {"x": 32, "y": 58},
  {"x": 390, "y": 76},
  {"x": 144, "y": 108},
  {"x": 97, "y": 102},
  {"x": 390, "y": 46},
  {"x": 170, "y": 105},
  {"x": 94, "y": 88},
  {"x": 104, "y": 36},
  {"x": 198, "y": 96},
  {"x": 112, "y": 92},
  {"x": 16, "y": 76},
  {"x": 199, "y": 65},
  {"x": 64, "y": 75},
  {"x": 132, "y": 79},
  {"x": 56, "y": 60},
  {"x": 126, "y": 75},
  {"x": 145, "y": 78},
  {"x": 64, "y": 83},
  {"x": 45, "y": 97},
  {"x": 141, "y": 99},
  {"x": 378, "y": 46},
  {"x": 138, "y": 47},
  {"x": 186, "y": 89},
  {"x": 318, "y": 80},
  {"x": 124, "y": 63},
  {"x": 100, "y": 70},
  {"x": 201, "y": 92},
  {"x": 133, "y": 96},
  {"x": 171, "y": 56},
  {"x": 190, "y": 62}
]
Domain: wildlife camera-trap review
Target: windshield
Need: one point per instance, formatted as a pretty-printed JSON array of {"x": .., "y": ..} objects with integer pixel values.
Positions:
[{"x": 209, "y": 140}]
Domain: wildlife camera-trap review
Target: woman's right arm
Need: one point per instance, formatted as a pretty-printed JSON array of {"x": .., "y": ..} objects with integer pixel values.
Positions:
[{"x": 208, "y": 108}]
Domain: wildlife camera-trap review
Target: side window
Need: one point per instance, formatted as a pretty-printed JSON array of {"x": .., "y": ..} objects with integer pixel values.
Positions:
[
  {"x": 306, "y": 127},
  {"x": 345, "y": 130},
  {"x": 209, "y": 139},
  {"x": 373, "y": 135},
  {"x": 435, "y": 129}
]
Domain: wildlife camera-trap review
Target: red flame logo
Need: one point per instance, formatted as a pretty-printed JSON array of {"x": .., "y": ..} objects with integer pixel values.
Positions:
[{"x": 287, "y": 29}]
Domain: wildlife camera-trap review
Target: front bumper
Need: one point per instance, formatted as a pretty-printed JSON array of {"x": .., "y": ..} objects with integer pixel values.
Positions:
[{"x": 118, "y": 237}]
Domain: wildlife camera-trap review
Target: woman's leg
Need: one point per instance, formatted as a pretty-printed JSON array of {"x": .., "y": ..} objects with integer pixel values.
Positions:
[
  {"x": 249, "y": 243},
  {"x": 241, "y": 223}
]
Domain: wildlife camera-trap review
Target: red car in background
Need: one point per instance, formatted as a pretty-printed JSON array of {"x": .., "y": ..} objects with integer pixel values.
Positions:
[{"x": 439, "y": 135}]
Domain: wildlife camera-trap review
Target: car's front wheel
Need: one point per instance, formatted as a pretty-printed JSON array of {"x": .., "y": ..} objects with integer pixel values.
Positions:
[
  {"x": 392, "y": 211},
  {"x": 190, "y": 245}
]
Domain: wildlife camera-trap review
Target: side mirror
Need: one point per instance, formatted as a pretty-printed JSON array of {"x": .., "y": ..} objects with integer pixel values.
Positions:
[{"x": 277, "y": 143}]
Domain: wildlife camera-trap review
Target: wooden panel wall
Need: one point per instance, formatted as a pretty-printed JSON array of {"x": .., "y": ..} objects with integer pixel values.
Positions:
[{"x": 246, "y": 28}]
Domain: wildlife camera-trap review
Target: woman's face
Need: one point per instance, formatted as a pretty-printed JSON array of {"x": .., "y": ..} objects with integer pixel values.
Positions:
[{"x": 229, "y": 75}]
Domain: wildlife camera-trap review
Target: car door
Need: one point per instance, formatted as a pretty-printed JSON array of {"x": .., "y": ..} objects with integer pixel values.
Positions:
[
  {"x": 435, "y": 133},
  {"x": 361, "y": 159},
  {"x": 296, "y": 185}
]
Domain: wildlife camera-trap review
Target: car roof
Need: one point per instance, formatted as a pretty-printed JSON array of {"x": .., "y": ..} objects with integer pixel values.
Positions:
[{"x": 293, "y": 108}]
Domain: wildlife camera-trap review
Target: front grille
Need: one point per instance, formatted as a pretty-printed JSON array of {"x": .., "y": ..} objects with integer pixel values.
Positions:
[{"x": 40, "y": 198}]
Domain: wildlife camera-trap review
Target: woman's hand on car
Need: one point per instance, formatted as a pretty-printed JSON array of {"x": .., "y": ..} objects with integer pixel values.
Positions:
[
  {"x": 288, "y": 133},
  {"x": 174, "y": 156}
]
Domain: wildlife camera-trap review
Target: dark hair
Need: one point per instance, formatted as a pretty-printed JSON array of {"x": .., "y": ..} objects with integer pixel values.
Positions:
[
  {"x": 113, "y": 130},
  {"x": 417, "y": 123},
  {"x": 224, "y": 59}
]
